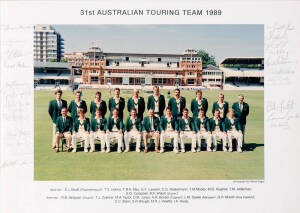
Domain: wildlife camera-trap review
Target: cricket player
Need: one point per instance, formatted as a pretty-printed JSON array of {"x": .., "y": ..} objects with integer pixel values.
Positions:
[
  {"x": 117, "y": 102},
  {"x": 75, "y": 105},
  {"x": 222, "y": 106},
  {"x": 241, "y": 111},
  {"x": 156, "y": 102},
  {"x": 133, "y": 130},
  {"x": 203, "y": 130},
  {"x": 177, "y": 104},
  {"x": 234, "y": 130},
  {"x": 217, "y": 129},
  {"x": 64, "y": 127},
  {"x": 98, "y": 103},
  {"x": 169, "y": 129},
  {"x": 81, "y": 129},
  {"x": 115, "y": 129},
  {"x": 98, "y": 131},
  {"x": 198, "y": 103},
  {"x": 151, "y": 129},
  {"x": 138, "y": 103},
  {"x": 54, "y": 110},
  {"x": 187, "y": 129}
]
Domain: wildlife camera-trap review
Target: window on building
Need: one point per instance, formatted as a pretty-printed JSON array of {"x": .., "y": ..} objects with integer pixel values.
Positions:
[
  {"x": 94, "y": 79},
  {"x": 130, "y": 80},
  {"x": 159, "y": 59},
  {"x": 190, "y": 81},
  {"x": 127, "y": 59},
  {"x": 86, "y": 79}
]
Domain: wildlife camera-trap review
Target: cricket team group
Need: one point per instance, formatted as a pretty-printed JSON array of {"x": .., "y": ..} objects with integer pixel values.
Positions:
[{"x": 162, "y": 122}]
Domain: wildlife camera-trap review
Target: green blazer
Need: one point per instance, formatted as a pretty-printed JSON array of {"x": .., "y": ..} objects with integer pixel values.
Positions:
[
  {"x": 237, "y": 124},
  {"x": 62, "y": 126},
  {"x": 205, "y": 123},
  {"x": 161, "y": 104},
  {"x": 172, "y": 103},
  {"x": 110, "y": 124},
  {"x": 242, "y": 115},
  {"x": 54, "y": 110},
  {"x": 194, "y": 106},
  {"x": 147, "y": 126},
  {"x": 112, "y": 105},
  {"x": 141, "y": 106},
  {"x": 216, "y": 106},
  {"x": 86, "y": 124},
  {"x": 137, "y": 123},
  {"x": 93, "y": 108},
  {"x": 164, "y": 121},
  {"x": 73, "y": 108},
  {"x": 102, "y": 124},
  {"x": 212, "y": 124},
  {"x": 182, "y": 125}
]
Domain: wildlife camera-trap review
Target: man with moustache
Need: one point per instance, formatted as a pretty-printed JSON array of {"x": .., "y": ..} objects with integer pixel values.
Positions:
[
  {"x": 64, "y": 127},
  {"x": 177, "y": 104}
]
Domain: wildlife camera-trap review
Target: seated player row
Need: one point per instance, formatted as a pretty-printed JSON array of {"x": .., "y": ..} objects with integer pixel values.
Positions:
[{"x": 151, "y": 127}]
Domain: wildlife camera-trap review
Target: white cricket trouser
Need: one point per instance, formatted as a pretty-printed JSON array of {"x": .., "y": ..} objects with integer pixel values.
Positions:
[
  {"x": 169, "y": 134},
  {"x": 111, "y": 136},
  {"x": 216, "y": 136},
  {"x": 235, "y": 135},
  {"x": 188, "y": 134},
  {"x": 206, "y": 136},
  {"x": 82, "y": 135},
  {"x": 132, "y": 135},
  {"x": 53, "y": 134},
  {"x": 98, "y": 136}
]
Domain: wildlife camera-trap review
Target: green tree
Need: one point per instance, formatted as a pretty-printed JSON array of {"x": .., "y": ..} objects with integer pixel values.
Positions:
[
  {"x": 63, "y": 60},
  {"x": 206, "y": 58}
]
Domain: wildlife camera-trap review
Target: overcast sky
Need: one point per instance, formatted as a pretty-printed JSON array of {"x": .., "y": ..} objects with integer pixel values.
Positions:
[{"x": 219, "y": 40}]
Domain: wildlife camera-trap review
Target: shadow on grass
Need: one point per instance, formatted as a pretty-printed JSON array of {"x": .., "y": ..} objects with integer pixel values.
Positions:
[{"x": 169, "y": 146}]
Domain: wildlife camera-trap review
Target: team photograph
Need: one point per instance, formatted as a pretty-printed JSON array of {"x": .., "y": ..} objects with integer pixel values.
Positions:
[{"x": 137, "y": 112}]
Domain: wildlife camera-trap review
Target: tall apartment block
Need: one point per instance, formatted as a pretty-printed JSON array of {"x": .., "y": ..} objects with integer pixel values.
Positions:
[{"x": 48, "y": 44}]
